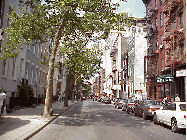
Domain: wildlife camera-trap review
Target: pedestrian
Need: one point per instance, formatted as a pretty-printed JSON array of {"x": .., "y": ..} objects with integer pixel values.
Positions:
[
  {"x": 177, "y": 98},
  {"x": 164, "y": 100},
  {"x": 2, "y": 102}
]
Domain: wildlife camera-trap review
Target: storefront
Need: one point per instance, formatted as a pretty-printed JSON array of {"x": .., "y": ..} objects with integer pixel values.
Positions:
[
  {"x": 181, "y": 84},
  {"x": 166, "y": 86}
]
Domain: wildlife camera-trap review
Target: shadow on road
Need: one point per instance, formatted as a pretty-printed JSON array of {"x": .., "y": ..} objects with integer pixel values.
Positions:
[
  {"x": 81, "y": 115},
  {"x": 9, "y": 124}
]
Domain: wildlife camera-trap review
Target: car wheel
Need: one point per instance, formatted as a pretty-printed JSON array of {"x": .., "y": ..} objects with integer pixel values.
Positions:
[
  {"x": 114, "y": 106},
  {"x": 135, "y": 114},
  {"x": 174, "y": 127},
  {"x": 129, "y": 111},
  {"x": 155, "y": 119},
  {"x": 144, "y": 116},
  {"x": 117, "y": 107}
]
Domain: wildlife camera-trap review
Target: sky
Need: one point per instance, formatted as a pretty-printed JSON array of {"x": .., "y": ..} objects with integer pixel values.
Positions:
[{"x": 136, "y": 8}]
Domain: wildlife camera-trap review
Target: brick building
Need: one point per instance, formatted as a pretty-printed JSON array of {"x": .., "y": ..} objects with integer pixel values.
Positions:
[{"x": 166, "y": 40}]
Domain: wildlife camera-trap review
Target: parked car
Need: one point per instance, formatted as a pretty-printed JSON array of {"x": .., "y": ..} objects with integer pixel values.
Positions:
[
  {"x": 95, "y": 98},
  {"x": 107, "y": 100},
  {"x": 102, "y": 99},
  {"x": 172, "y": 114},
  {"x": 119, "y": 104},
  {"x": 147, "y": 108},
  {"x": 116, "y": 102},
  {"x": 128, "y": 105}
]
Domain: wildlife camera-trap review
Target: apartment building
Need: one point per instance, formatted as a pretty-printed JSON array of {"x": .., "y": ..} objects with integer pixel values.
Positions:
[
  {"x": 136, "y": 51},
  {"x": 11, "y": 70},
  {"x": 166, "y": 57},
  {"x": 26, "y": 67}
]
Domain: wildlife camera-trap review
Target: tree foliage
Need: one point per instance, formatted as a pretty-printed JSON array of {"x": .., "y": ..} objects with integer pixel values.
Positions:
[{"x": 71, "y": 31}]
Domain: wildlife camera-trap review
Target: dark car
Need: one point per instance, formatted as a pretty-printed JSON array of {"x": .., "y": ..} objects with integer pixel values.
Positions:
[
  {"x": 107, "y": 100},
  {"x": 116, "y": 102},
  {"x": 128, "y": 105},
  {"x": 147, "y": 108},
  {"x": 119, "y": 104}
]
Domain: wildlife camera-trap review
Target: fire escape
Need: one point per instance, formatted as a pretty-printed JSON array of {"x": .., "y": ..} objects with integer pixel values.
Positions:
[
  {"x": 152, "y": 31},
  {"x": 174, "y": 33}
]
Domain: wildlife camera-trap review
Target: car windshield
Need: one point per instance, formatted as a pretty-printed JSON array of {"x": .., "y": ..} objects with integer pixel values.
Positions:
[
  {"x": 152, "y": 102},
  {"x": 131, "y": 100},
  {"x": 122, "y": 100},
  {"x": 182, "y": 107}
]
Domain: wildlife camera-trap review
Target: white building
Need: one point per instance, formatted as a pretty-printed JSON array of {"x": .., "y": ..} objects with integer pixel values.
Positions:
[{"x": 113, "y": 62}]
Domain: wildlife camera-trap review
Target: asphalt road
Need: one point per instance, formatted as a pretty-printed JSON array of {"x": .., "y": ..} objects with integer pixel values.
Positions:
[{"x": 91, "y": 120}]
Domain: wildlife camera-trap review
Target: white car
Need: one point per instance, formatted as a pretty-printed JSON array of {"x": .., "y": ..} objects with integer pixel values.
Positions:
[{"x": 172, "y": 114}]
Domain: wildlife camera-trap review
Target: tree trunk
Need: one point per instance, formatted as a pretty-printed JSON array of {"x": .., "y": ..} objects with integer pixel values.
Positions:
[{"x": 49, "y": 93}]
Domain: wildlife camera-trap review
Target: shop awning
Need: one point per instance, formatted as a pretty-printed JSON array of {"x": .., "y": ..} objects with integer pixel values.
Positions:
[{"x": 165, "y": 78}]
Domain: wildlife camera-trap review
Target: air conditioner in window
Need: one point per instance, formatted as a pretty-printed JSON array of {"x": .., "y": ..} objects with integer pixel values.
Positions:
[{"x": 161, "y": 46}]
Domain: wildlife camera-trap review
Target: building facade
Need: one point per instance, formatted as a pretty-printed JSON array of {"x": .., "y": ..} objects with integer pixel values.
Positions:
[{"x": 166, "y": 57}]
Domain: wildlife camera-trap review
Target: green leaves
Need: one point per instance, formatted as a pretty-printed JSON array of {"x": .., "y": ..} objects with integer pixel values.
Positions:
[{"x": 41, "y": 22}]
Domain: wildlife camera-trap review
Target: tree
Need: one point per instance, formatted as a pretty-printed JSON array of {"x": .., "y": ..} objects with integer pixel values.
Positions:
[{"x": 62, "y": 21}]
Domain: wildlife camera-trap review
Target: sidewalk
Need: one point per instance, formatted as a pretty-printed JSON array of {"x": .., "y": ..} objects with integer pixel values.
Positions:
[{"x": 23, "y": 123}]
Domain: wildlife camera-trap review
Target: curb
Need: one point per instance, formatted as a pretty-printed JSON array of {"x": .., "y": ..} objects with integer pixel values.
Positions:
[{"x": 34, "y": 133}]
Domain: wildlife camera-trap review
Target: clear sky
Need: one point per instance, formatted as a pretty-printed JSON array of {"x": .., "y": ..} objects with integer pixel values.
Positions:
[{"x": 135, "y": 8}]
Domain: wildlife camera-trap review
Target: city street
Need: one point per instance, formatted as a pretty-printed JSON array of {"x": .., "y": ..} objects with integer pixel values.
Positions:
[{"x": 91, "y": 120}]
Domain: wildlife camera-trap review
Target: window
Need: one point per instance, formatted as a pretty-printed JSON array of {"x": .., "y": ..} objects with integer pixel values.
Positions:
[
  {"x": 161, "y": 39},
  {"x": 34, "y": 48},
  {"x": 139, "y": 30},
  {"x": 157, "y": 44},
  {"x": 27, "y": 70},
  {"x": 7, "y": 73},
  {"x": 29, "y": 47},
  {"x": 161, "y": 20},
  {"x": 41, "y": 56},
  {"x": 133, "y": 29},
  {"x": 144, "y": 29},
  {"x": 160, "y": 91},
  {"x": 156, "y": 23},
  {"x": 21, "y": 68},
  {"x": 182, "y": 48},
  {"x": 160, "y": 2},
  {"x": 13, "y": 67},
  {"x": 162, "y": 64},
  {"x": 174, "y": 24},
  {"x": 4, "y": 67},
  {"x": 182, "y": 107},
  {"x": 38, "y": 50},
  {"x": 40, "y": 77},
  {"x": 157, "y": 72},
  {"x": 155, "y": 3},
  {"x": 36, "y": 74},
  {"x": 10, "y": 11},
  {"x": 181, "y": 20},
  {"x": 32, "y": 73}
]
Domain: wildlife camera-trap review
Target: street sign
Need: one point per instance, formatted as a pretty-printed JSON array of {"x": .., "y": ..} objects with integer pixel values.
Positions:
[{"x": 165, "y": 78}]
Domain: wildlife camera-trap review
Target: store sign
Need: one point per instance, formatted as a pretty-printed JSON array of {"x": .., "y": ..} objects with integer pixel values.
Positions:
[
  {"x": 181, "y": 73},
  {"x": 165, "y": 78}
]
